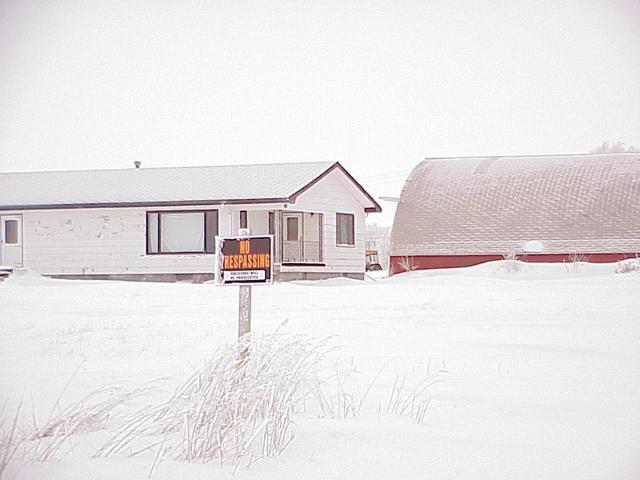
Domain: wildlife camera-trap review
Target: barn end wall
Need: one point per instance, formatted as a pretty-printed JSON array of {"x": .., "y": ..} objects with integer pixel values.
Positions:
[{"x": 430, "y": 262}]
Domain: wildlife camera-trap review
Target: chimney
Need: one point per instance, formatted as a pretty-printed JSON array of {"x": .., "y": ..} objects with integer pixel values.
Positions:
[{"x": 137, "y": 163}]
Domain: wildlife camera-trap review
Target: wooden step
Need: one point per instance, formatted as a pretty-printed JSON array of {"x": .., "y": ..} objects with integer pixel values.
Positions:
[{"x": 5, "y": 272}]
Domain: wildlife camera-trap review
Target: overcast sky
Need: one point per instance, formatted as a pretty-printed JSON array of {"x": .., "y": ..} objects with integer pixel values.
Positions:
[{"x": 376, "y": 85}]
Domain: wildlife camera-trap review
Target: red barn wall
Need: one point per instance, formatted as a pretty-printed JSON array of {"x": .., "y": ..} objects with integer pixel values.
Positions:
[{"x": 428, "y": 262}]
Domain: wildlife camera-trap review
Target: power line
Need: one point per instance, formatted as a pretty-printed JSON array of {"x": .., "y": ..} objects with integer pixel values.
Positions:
[{"x": 387, "y": 174}]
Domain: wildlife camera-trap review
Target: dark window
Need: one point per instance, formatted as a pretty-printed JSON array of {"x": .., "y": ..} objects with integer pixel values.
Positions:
[
  {"x": 272, "y": 223},
  {"x": 243, "y": 219},
  {"x": 210, "y": 230},
  {"x": 11, "y": 231},
  {"x": 182, "y": 231},
  {"x": 292, "y": 229},
  {"x": 345, "y": 232}
]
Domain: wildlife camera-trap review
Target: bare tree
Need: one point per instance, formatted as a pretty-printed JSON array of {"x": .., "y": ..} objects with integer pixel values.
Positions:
[{"x": 614, "y": 147}]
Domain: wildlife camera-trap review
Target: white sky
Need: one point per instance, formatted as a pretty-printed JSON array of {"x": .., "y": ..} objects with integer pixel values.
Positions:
[{"x": 377, "y": 85}]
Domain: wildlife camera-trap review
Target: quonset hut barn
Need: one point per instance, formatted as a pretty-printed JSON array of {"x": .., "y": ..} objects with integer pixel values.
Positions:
[{"x": 457, "y": 212}]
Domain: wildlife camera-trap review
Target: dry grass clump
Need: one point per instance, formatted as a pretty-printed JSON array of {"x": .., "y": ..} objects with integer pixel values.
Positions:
[
  {"x": 239, "y": 404},
  {"x": 334, "y": 401},
  {"x": 408, "y": 397},
  {"x": 89, "y": 414},
  {"x": 410, "y": 402},
  {"x": 11, "y": 437}
]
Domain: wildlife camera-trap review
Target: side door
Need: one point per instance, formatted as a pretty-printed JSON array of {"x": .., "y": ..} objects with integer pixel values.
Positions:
[
  {"x": 291, "y": 237},
  {"x": 11, "y": 240}
]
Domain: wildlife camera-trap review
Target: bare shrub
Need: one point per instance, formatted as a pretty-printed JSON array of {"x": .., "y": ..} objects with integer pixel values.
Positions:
[
  {"x": 510, "y": 263},
  {"x": 576, "y": 260},
  {"x": 408, "y": 264},
  {"x": 628, "y": 266},
  {"x": 239, "y": 404}
]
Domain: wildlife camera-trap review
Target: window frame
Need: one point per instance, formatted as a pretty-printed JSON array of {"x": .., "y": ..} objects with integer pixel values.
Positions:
[
  {"x": 159, "y": 234},
  {"x": 353, "y": 229}
]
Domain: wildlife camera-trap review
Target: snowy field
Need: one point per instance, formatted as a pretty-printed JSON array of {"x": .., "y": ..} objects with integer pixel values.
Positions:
[{"x": 536, "y": 373}]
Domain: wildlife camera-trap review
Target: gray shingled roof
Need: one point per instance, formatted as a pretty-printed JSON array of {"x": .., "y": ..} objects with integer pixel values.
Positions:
[
  {"x": 494, "y": 205},
  {"x": 158, "y": 185}
]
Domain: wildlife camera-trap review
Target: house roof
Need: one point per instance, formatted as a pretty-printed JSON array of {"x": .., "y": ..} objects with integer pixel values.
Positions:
[
  {"x": 209, "y": 185},
  {"x": 587, "y": 203}
]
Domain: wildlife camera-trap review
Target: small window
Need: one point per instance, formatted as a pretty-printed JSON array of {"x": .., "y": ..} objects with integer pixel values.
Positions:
[
  {"x": 292, "y": 229},
  {"x": 243, "y": 219},
  {"x": 182, "y": 231},
  {"x": 345, "y": 233},
  {"x": 11, "y": 231}
]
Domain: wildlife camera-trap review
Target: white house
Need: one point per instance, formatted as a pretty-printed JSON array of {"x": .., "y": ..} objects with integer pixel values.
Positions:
[{"x": 160, "y": 223}]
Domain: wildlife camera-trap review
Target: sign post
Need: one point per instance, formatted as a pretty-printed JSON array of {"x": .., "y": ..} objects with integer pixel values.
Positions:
[
  {"x": 244, "y": 260},
  {"x": 244, "y": 310}
]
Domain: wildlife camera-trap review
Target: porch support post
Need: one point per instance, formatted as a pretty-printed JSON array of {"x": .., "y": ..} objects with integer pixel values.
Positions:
[{"x": 278, "y": 236}]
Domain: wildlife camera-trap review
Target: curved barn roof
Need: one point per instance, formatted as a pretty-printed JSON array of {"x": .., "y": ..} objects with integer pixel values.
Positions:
[{"x": 587, "y": 203}]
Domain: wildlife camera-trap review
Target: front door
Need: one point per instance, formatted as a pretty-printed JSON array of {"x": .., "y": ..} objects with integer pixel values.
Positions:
[
  {"x": 292, "y": 237},
  {"x": 11, "y": 240}
]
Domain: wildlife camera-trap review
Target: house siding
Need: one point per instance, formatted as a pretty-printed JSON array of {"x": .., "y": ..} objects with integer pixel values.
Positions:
[
  {"x": 98, "y": 241},
  {"x": 334, "y": 194},
  {"x": 112, "y": 241}
]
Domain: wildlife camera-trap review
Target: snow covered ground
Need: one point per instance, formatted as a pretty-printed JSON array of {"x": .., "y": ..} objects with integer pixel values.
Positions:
[{"x": 538, "y": 370}]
